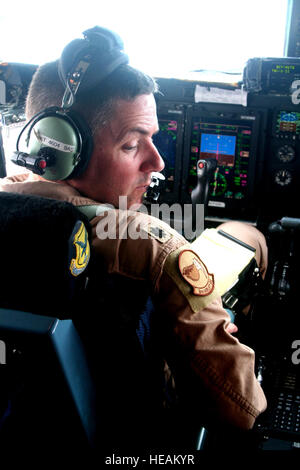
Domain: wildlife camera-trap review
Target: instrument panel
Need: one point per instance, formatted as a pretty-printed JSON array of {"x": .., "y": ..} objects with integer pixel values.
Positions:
[
  {"x": 229, "y": 134},
  {"x": 257, "y": 147},
  {"x": 281, "y": 160}
]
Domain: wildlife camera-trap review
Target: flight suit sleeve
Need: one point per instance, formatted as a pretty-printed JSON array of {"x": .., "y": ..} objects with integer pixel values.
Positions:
[
  {"x": 199, "y": 343},
  {"x": 193, "y": 321}
]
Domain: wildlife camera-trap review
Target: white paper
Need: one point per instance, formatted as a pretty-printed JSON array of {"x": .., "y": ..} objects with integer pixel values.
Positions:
[{"x": 220, "y": 95}]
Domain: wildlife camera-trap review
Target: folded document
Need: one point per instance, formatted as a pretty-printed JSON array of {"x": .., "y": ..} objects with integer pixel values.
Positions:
[{"x": 224, "y": 256}]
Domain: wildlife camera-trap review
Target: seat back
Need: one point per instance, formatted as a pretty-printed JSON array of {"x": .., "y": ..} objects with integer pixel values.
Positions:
[
  {"x": 47, "y": 394},
  {"x": 43, "y": 241}
]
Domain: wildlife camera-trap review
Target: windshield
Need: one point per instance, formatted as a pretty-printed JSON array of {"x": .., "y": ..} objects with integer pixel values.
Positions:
[{"x": 161, "y": 38}]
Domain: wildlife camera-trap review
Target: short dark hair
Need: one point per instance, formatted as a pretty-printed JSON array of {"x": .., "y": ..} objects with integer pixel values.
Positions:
[{"x": 96, "y": 105}]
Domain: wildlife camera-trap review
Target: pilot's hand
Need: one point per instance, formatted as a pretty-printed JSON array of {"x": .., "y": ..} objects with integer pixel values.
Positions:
[{"x": 232, "y": 328}]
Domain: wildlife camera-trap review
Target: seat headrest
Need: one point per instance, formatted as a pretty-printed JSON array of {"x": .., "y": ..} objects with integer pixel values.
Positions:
[{"x": 44, "y": 254}]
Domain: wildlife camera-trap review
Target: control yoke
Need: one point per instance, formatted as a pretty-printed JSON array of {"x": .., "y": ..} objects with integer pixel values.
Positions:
[
  {"x": 280, "y": 279},
  {"x": 205, "y": 171}
]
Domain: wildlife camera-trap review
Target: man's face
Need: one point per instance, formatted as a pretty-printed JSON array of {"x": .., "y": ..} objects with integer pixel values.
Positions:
[{"x": 124, "y": 155}]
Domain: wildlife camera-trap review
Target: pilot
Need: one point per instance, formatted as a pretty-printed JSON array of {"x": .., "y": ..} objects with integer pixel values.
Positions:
[{"x": 193, "y": 326}]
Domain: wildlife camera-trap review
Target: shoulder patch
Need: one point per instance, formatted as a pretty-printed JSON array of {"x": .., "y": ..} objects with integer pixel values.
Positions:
[
  {"x": 79, "y": 249},
  {"x": 194, "y": 271},
  {"x": 198, "y": 287}
]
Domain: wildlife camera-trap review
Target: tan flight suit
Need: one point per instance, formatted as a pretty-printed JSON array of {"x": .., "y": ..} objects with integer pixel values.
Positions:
[{"x": 195, "y": 323}]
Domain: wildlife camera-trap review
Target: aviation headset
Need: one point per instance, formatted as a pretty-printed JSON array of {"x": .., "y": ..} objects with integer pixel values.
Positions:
[{"x": 59, "y": 141}]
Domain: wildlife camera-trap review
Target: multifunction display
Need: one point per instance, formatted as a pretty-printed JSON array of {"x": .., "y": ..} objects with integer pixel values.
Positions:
[
  {"x": 169, "y": 143},
  {"x": 287, "y": 124},
  {"x": 166, "y": 143},
  {"x": 230, "y": 146},
  {"x": 230, "y": 139}
]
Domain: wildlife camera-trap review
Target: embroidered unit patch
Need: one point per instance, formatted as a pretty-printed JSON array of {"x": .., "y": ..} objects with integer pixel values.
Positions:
[
  {"x": 194, "y": 271},
  {"x": 81, "y": 255}
]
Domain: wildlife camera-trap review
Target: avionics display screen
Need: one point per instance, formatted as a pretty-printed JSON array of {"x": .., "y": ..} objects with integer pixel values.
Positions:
[
  {"x": 288, "y": 122},
  {"x": 229, "y": 141},
  {"x": 221, "y": 147},
  {"x": 166, "y": 141},
  {"x": 169, "y": 142}
]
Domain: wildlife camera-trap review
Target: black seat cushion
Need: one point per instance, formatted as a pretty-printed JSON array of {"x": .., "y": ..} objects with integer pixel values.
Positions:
[{"x": 37, "y": 241}]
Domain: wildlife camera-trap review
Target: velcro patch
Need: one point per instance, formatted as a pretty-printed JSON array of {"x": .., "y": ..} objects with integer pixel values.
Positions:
[
  {"x": 194, "y": 271},
  {"x": 185, "y": 284},
  {"x": 79, "y": 249}
]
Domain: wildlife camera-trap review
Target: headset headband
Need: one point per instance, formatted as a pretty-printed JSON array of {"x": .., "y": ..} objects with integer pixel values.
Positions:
[{"x": 95, "y": 57}]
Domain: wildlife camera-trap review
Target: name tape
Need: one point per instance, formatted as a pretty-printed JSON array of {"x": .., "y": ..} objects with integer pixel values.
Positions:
[{"x": 55, "y": 144}]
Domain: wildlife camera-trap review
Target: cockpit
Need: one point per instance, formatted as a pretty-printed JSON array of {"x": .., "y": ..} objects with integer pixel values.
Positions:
[{"x": 231, "y": 146}]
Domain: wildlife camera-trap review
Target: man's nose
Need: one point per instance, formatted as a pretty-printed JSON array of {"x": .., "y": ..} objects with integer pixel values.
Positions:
[{"x": 153, "y": 161}]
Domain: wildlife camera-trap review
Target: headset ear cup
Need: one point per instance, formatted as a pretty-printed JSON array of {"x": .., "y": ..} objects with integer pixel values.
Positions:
[{"x": 67, "y": 139}]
